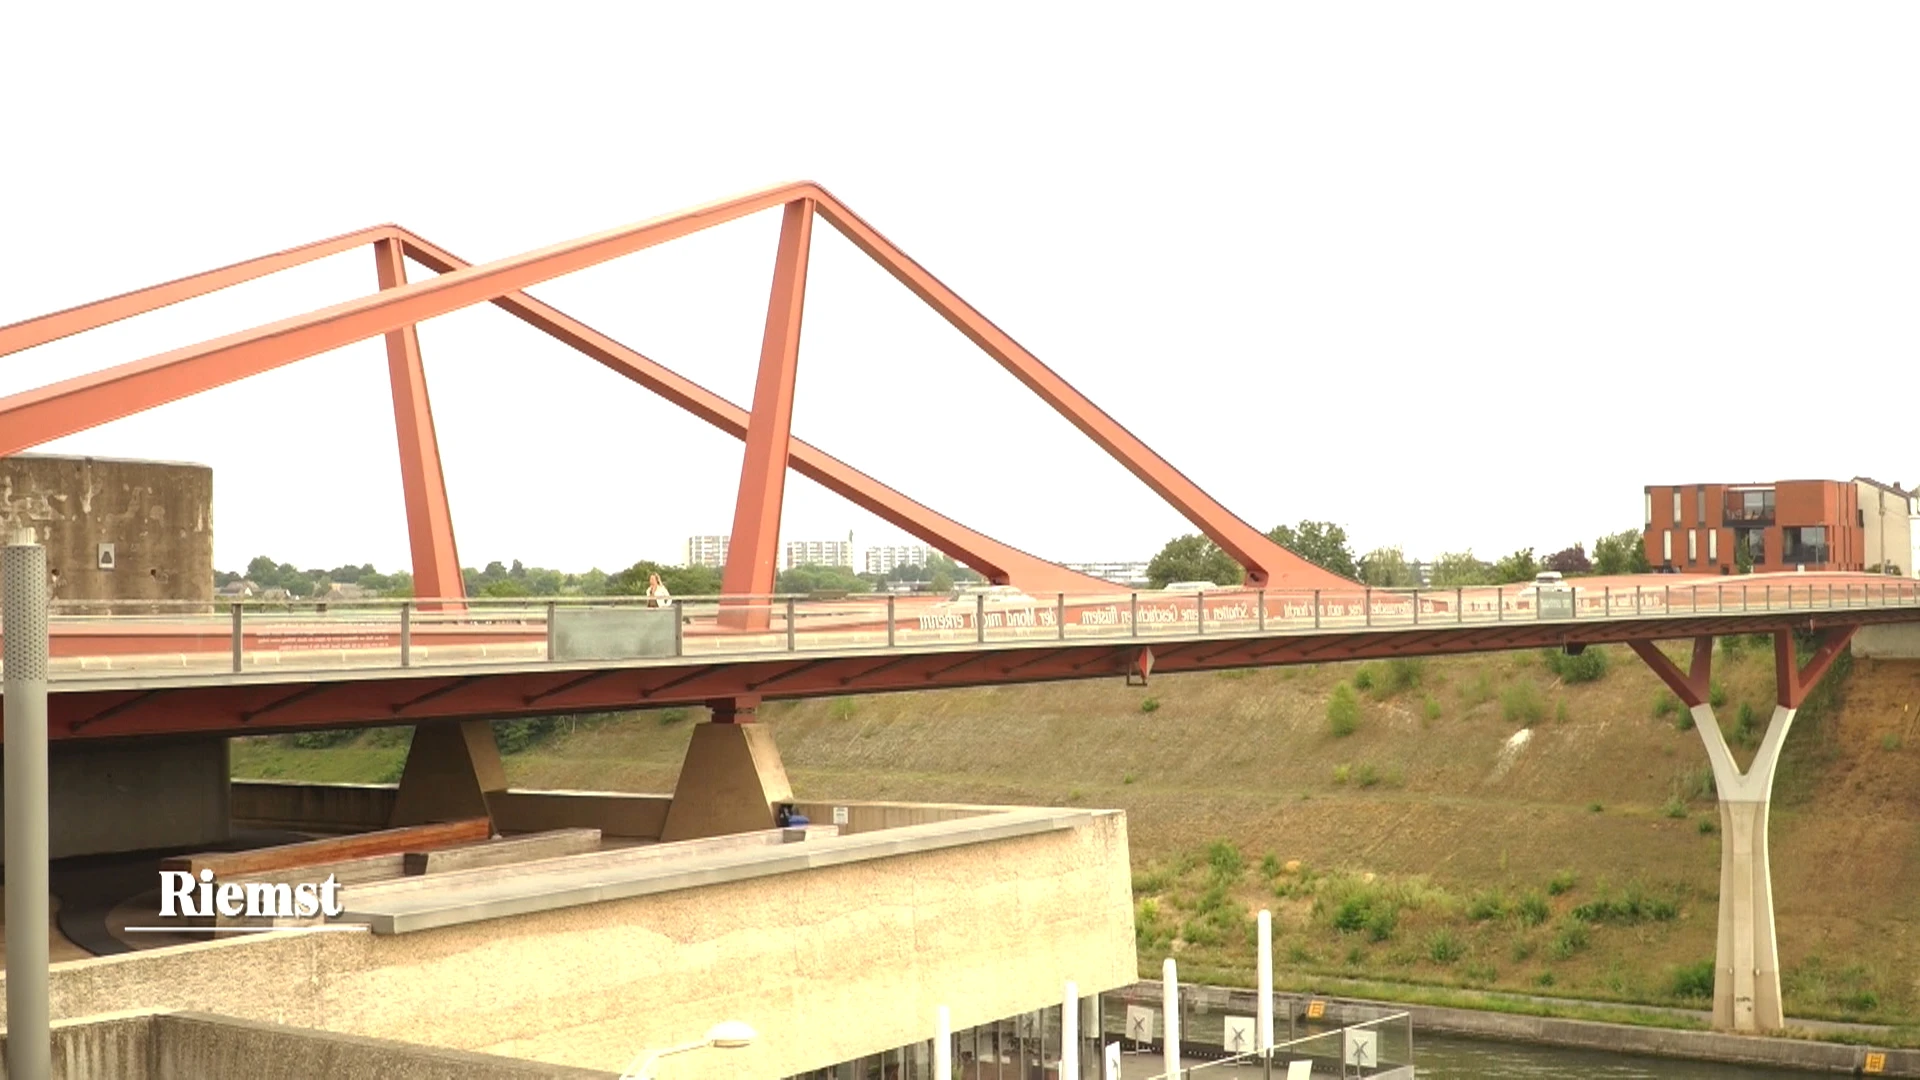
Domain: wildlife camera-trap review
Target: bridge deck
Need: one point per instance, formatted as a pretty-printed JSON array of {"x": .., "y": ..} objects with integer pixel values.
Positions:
[{"x": 119, "y": 675}]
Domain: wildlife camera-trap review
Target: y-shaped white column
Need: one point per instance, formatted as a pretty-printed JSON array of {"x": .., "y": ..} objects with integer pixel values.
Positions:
[
  {"x": 1746, "y": 981},
  {"x": 1746, "y": 977}
]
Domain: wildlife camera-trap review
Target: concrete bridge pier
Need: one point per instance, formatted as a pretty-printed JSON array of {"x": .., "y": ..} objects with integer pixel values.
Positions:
[
  {"x": 732, "y": 780},
  {"x": 1746, "y": 981},
  {"x": 452, "y": 767},
  {"x": 1746, "y": 978}
]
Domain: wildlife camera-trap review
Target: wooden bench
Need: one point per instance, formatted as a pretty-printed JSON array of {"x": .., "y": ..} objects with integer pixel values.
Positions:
[
  {"x": 335, "y": 849},
  {"x": 543, "y": 845}
]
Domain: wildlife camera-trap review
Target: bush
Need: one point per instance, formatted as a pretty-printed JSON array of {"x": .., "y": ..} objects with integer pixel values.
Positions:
[
  {"x": 1532, "y": 910},
  {"x": 1366, "y": 775},
  {"x": 1707, "y": 827},
  {"x": 1562, "y": 882},
  {"x": 1521, "y": 703},
  {"x": 1631, "y": 908},
  {"x": 1666, "y": 705},
  {"x": 1381, "y": 924},
  {"x": 1484, "y": 906},
  {"x": 1430, "y": 708},
  {"x": 516, "y": 736},
  {"x": 1225, "y": 861},
  {"x": 1444, "y": 948},
  {"x": 1363, "y": 679},
  {"x": 1560, "y": 711},
  {"x": 1148, "y": 705},
  {"x": 1692, "y": 980},
  {"x": 1674, "y": 807},
  {"x": 670, "y": 717},
  {"x": 1343, "y": 711},
  {"x": 1861, "y": 1001},
  {"x": 1352, "y": 914},
  {"x": 1403, "y": 674},
  {"x": 1341, "y": 773},
  {"x": 1589, "y": 666},
  {"x": 321, "y": 740},
  {"x": 1716, "y": 693},
  {"x": 1270, "y": 865},
  {"x": 1571, "y": 940}
]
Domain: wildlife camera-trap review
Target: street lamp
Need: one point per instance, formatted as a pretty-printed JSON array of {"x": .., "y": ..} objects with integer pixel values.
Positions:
[{"x": 726, "y": 1035}]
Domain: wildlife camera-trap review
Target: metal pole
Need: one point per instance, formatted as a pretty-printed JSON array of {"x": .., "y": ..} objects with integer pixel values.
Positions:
[
  {"x": 1260, "y": 612},
  {"x": 1367, "y": 603},
  {"x": 239, "y": 641},
  {"x": 1500, "y": 603},
  {"x": 890, "y": 600},
  {"x": 790, "y": 634},
  {"x": 1316, "y": 609},
  {"x": 1459, "y": 605},
  {"x": 679, "y": 628},
  {"x": 1133, "y": 615},
  {"x": 29, "y": 1035},
  {"x": 980, "y": 617},
  {"x": 1636, "y": 599},
  {"x": 406, "y": 634},
  {"x": 1060, "y": 615},
  {"x": 551, "y": 606},
  {"x": 1416, "y": 607},
  {"x": 1170, "y": 1000},
  {"x": 1200, "y": 611}
]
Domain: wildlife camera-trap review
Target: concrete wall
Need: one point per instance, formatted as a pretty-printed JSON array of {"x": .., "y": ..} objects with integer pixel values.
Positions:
[
  {"x": 1887, "y": 530},
  {"x": 1890, "y": 641},
  {"x": 157, "y": 515},
  {"x": 106, "y": 797},
  {"x": 827, "y": 964},
  {"x": 198, "y": 1046}
]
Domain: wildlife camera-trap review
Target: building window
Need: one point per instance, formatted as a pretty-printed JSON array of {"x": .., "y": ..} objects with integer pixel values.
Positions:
[
  {"x": 1713, "y": 545},
  {"x": 1649, "y": 508},
  {"x": 1749, "y": 546},
  {"x": 1700, "y": 504},
  {"x": 1751, "y": 506},
  {"x": 1666, "y": 546},
  {"x": 1676, "y": 506},
  {"x": 1804, "y": 545},
  {"x": 1693, "y": 545}
]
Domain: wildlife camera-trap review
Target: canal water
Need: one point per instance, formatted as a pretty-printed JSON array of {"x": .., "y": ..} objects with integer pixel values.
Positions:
[{"x": 1443, "y": 1057}]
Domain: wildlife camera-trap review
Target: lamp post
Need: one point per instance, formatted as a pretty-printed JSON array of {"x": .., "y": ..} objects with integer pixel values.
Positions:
[{"x": 725, "y": 1035}]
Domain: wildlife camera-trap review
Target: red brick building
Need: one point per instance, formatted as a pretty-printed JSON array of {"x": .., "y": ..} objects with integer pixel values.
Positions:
[{"x": 1727, "y": 528}]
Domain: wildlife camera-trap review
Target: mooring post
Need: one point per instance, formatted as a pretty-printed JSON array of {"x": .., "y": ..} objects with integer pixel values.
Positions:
[{"x": 29, "y": 1038}]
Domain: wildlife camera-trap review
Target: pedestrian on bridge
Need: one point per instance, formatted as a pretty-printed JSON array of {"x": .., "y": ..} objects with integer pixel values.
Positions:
[{"x": 657, "y": 591}]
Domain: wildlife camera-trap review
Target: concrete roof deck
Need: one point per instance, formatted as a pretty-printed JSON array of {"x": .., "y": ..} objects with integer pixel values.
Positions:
[{"x": 424, "y": 903}]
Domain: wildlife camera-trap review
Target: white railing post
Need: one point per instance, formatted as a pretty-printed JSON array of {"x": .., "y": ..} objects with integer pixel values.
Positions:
[
  {"x": 942, "y": 1044},
  {"x": 239, "y": 640},
  {"x": 1170, "y": 999},
  {"x": 1264, "y": 1013},
  {"x": 890, "y": 599},
  {"x": 1069, "y": 1036}
]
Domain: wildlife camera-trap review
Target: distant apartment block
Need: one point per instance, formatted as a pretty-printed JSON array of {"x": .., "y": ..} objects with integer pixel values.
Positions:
[
  {"x": 817, "y": 553},
  {"x": 707, "y": 551},
  {"x": 1120, "y": 573},
  {"x": 884, "y": 560},
  {"x": 1856, "y": 524}
]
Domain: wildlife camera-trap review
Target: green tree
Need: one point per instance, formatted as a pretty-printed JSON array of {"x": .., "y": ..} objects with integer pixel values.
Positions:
[
  {"x": 1621, "y": 553},
  {"x": 1519, "y": 566},
  {"x": 820, "y": 579},
  {"x": 1386, "y": 568},
  {"x": 264, "y": 572},
  {"x": 941, "y": 582},
  {"x": 679, "y": 580},
  {"x": 1456, "y": 569},
  {"x": 1193, "y": 558},
  {"x": 505, "y": 587},
  {"x": 1321, "y": 543}
]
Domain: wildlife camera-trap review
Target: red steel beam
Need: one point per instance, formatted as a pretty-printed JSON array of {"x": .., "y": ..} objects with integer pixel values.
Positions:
[
  {"x": 755, "y": 540},
  {"x": 436, "y": 560},
  {"x": 38, "y": 416},
  {"x": 1267, "y": 564},
  {"x": 1693, "y": 686},
  {"x": 1791, "y": 681},
  {"x": 28, "y": 333}
]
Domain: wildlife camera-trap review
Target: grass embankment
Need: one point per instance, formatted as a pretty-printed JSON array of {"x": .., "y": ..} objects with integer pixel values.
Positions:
[{"x": 1523, "y": 824}]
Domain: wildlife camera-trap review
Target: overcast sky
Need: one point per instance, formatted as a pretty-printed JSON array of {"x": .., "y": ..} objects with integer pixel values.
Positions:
[{"x": 1451, "y": 275}]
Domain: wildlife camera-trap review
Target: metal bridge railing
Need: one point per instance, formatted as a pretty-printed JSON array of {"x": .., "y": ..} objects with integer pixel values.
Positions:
[{"x": 94, "y": 638}]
